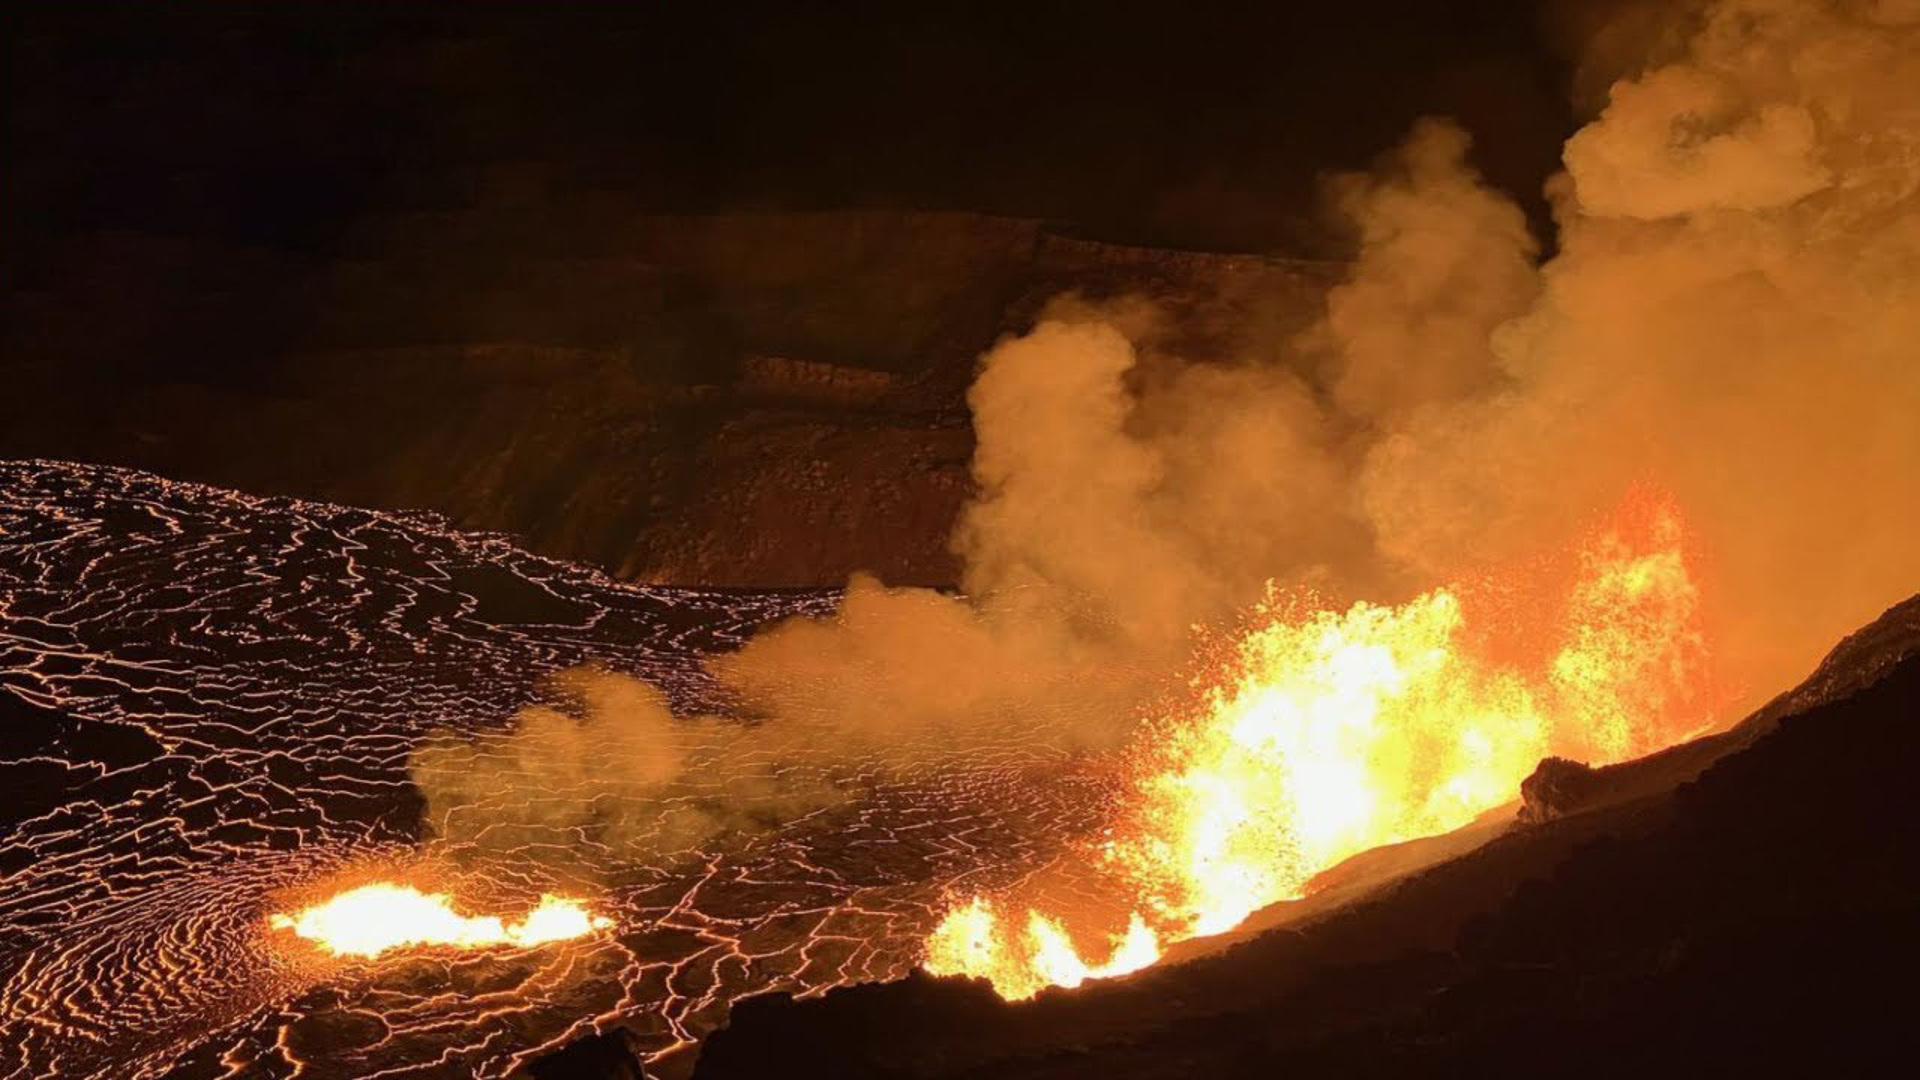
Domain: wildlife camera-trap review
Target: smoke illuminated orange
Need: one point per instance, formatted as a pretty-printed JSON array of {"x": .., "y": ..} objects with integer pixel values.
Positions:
[
  {"x": 376, "y": 918},
  {"x": 1338, "y": 731}
]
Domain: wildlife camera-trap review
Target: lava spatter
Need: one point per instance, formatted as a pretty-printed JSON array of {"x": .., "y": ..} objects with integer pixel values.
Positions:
[{"x": 1330, "y": 732}]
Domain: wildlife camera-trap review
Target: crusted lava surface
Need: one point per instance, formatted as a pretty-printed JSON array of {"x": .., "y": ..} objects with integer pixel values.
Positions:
[{"x": 208, "y": 699}]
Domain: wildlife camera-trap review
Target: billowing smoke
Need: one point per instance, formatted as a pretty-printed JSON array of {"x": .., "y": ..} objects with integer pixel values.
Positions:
[
  {"x": 610, "y": 764},
  {"x": 1127, "y": 496},
  {"x": 1732, "y": 314}
]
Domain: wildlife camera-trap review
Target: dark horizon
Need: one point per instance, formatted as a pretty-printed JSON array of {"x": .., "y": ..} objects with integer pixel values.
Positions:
[{"x": 280, "y": 125}]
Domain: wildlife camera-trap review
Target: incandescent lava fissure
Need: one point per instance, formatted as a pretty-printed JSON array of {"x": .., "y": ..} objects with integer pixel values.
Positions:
[
  {"x": 1333, "y": 732},
  {"x": 372, "y": 919}
]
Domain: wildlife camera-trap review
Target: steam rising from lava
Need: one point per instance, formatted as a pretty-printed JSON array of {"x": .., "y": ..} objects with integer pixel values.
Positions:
[
  {"x": 1731, "y": 316},
  {"x": 609, "y": 759}
]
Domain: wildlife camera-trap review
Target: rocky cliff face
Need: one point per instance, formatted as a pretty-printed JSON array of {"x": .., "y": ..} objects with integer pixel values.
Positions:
[{"x": 734, "y": 400}]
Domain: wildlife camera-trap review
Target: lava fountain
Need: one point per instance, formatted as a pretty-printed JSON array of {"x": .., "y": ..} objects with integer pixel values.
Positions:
[
  {"x": 379, "y": 917},
  {"x": 1330, "y": 732}
]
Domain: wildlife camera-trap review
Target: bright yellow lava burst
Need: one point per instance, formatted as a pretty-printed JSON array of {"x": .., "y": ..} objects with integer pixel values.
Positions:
[
  {"x": 1341, "y": 731},
  {"x": 372, "y": 919}
]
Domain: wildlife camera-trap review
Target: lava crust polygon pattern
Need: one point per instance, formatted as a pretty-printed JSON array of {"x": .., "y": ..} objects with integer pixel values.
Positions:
[{"x": 208, "y": 699}]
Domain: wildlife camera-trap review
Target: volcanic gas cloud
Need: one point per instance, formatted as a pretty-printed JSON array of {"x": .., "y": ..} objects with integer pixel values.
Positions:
[{"x": 1347, "y": 588}]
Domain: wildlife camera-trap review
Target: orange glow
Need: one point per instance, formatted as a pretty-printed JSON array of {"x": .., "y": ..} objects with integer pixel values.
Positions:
[
  {"x": 375, "y": 918},
  {"x": 970, "y": 940},
  {"x": 1333, "y": 732}
]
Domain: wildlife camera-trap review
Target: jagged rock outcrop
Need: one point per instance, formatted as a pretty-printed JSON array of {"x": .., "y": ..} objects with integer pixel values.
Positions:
[
  {"x": 785, "y": 1030},
  {"x": 1557, "y": 787},
  {"x": 608, "y": 1055}
]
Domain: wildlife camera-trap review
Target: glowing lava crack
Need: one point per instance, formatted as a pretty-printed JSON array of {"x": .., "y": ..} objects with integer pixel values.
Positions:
[{"x": 381, "y": 917}]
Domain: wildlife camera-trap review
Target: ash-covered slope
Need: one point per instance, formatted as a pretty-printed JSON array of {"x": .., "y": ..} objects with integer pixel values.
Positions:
[{"x": 1749, "y": 902}]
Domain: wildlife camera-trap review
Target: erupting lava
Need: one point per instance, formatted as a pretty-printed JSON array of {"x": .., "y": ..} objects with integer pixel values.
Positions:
[
  {"x": 1334, "y": 732},
  {"x": 373, "y": 919}
]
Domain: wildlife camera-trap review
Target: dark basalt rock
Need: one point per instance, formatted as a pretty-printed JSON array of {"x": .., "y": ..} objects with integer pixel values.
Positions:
[
  {"x": 766, "y": 1034},
  {"x": 608, "y": 1055},
  {"x": 1556, "y": 788}
]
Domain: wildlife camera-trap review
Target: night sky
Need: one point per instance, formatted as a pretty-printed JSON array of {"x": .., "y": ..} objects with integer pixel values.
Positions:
[{"x": 1191, "y": 125}]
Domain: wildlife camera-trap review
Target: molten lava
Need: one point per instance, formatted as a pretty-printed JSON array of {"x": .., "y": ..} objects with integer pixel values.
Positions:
[
  {"x": 970, "y": 941},
  {"x": 375, "y": 918},
  {"x": 1334, "y": 732}
]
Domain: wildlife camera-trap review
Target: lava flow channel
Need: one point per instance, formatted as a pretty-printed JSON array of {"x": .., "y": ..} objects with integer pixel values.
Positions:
[{"x": 1331, "y": 732}]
